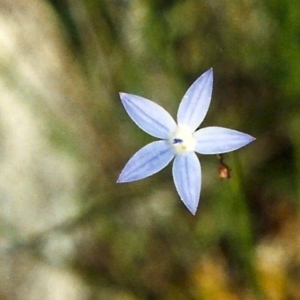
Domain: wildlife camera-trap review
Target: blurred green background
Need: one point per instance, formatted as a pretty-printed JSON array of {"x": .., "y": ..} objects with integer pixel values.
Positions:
[{"x": 68, "y": 231}]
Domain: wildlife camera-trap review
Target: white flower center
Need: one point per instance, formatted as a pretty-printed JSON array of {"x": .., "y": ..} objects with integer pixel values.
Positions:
[{"x": 182, "y": 140}]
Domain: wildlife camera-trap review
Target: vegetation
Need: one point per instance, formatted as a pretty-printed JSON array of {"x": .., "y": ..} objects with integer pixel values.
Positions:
[{"x": 63, "y": 209}]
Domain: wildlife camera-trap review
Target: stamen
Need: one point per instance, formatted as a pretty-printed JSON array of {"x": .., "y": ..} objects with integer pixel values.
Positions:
[
  {"x": 176, "y": 141},
  {"x": 182, "y": 140}
]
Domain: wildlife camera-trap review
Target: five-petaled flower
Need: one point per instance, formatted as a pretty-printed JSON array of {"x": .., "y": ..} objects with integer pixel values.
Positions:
[{"x": 179, "y": 141}]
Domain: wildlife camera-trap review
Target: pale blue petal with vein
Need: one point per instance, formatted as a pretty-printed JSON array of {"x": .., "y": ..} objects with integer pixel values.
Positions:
[
  {"x": 147, "y": 161},
  {"x": 196, "y": 101},
  {"x": 149, "y": 116},
  {"x": 215, "y": 140},
  {"x": 187, "y": 179}
]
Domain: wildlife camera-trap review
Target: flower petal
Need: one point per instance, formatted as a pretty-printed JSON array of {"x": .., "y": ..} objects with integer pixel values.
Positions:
[
  {"x": 149, "y": 116},
  {"x": 215, "y": 140},
  {"x": 147, "y": 161},
  {"x": 195, "y": 103},
  {"x": 187, "y": 179}
]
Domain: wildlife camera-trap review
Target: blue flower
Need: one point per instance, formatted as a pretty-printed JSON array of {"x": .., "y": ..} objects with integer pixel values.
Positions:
[{"x": 179, "y": 141}]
